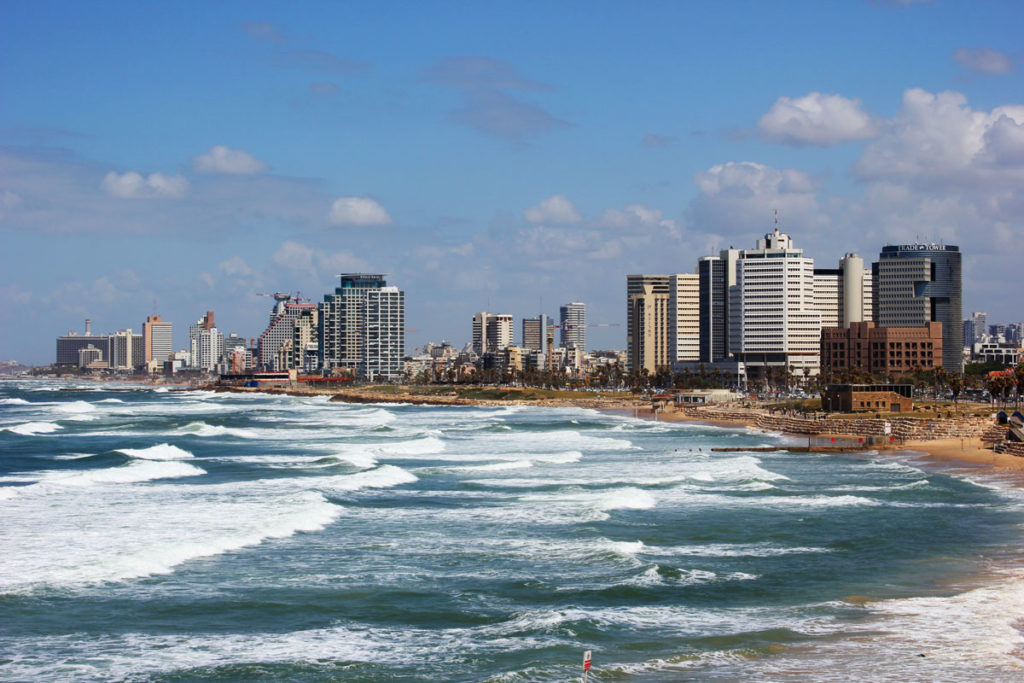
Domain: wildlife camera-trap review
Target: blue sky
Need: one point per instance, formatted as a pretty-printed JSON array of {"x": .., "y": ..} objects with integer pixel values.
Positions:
[{"x": 182, "y": 157}]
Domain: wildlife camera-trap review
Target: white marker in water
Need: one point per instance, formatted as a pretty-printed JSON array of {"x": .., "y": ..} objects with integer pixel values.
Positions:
[{"x": 586, "y": 665}]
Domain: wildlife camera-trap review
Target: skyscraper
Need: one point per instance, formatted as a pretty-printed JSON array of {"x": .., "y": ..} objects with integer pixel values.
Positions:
[
  {"x": 647, "y": 322},
  {"x": 573, "y": 319},
  {"x": 207, "y": 344},
  {"x": 715, "y": 274},
  {"x": 535, "y": 332},
  {"x": 281, "y": 328},
  {"x": 362, "y": 327},
  {"x": 684, "y": 318},
  {"x": 921, "y": 283},
  {"x": 158, "y": 339},
  {"x": 773, "y": 321}
]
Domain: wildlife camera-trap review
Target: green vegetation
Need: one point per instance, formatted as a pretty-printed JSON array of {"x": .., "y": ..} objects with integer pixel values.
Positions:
[{"x": 482, "y": 393}]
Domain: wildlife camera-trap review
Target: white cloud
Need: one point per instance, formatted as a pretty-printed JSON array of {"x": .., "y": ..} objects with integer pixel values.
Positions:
[
  {"x": 221, "y": 159},
  {"x": 132, "y": 185},
  {"x": 983, "y": 60},
  {"x": 938, "y": 140},
  {"x": 293, "y": 256},
  {"x": 555, "y": 209},
  {"x": 358, "y": 211},
  {"x": 299, "y": 257},
  {"x": 739, "y": 198},
  {"x": 236, "y": 267},
  {"x": 817, "y": 119},
  {"x": 636, "y": 216}
]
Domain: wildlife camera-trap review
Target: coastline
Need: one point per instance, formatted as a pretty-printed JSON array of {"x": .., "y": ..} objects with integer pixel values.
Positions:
[{"x": 967, "y": 452}]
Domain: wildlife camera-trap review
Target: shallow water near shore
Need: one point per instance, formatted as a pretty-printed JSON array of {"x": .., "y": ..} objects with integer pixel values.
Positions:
[{"x": 172, "y": 536}]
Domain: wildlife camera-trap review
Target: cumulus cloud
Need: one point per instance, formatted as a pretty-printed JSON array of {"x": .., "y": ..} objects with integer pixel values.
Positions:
[
  {"x": 358, "y": 211},
  {"x": 739, "y": 198},
  {"x": 555, "y": 209},
  {"x": 937, "y": 139},
  {"x": 236, "y": 267},
  {"x": 300, "y": 257},
  {"x": 817, "y": 119},
  {"x": 636, "y": 216},
  {"x": 983, "y": 60},
  {"x": 221, "y": 159},
  {"x": 132, "y": 185}
]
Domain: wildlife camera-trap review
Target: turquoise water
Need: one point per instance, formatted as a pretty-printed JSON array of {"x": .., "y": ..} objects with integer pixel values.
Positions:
[{"x": 170, "y": 536}]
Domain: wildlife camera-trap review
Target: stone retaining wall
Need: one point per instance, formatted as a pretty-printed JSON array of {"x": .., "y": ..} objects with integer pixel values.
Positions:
[
  {"x": 903, "y": 428},
  {"x": 1015, "y": 448}
]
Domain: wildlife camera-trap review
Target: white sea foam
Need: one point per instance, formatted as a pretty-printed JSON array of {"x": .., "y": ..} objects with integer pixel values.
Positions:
[
  {"x": 33, "y": 428},
  {"x": 203, "y": 429},
  {"x": 110, "y": 400},
  {"x": 73, "y": 456},
  {"x": 80, "y": 538},
  {"x": 384, "y": 476},
  {"x": 47, "y": 482},
  {"x": 73, "y": 407},
  {"x": 426, "y": 446},
  {"x": 14, "y": 402},
  {"x": 162, "y": 451}
]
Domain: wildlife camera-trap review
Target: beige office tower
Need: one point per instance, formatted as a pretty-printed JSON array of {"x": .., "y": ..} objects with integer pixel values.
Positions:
[
  {"x": 158, "y": 339},
  {"x": 647, "y": 322},
  {"x": 684, "y": 323}
]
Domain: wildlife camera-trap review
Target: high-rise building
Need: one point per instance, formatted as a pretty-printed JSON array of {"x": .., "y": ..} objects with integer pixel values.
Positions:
[
  {"x": 684, "y": 314},
  {"x": 773, "y": 321},
  {"x": 125, "y": 350},
  {"x": 281, "y": 328},
  {"x": 535, "y": 332},
  {"x": 362, "y": 327},
  {"x": 573, "y": 319},
  {"x": 207, "y": 343},
  {"x": 716, "y": 274},
  {"x": 843, "y": 295},
  {"x": 916, "y": 284},
  {"x": 974, "y": 328},
  {"x": 70, "y": 344},
  {"x": 647, "y": 322},
  {"x": 492, "y": 332},
  {"x": 158, "y": 339}
]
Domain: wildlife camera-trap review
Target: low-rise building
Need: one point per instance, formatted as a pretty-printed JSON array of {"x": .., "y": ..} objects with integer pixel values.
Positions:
[
  {"x": 881, "y": 350},
  {"x": 882, "y": 398}
]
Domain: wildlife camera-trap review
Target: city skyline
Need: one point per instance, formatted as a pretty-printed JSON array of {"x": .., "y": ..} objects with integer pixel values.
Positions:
[{"x": 162, "y": 164}]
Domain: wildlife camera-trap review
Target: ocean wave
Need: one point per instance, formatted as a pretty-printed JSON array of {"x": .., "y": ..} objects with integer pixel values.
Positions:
[
  {"x": 33, "y": 428},
  {"x": 204, "y": 429},
  {"x": 426, "y": 446},
  {"x": 384, "y": 476},
  {"x": 73, "y": 407},
  {"x": 14, "y": 402},
  {"x": 162, "y": 451},
  {"x": 128, "y": 474}
]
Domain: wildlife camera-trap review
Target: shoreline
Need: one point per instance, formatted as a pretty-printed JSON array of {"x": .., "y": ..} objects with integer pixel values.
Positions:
[{"x": 967, "y": 452}]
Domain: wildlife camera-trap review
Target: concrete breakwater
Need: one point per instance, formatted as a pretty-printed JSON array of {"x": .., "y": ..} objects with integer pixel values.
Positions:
[{"x": 902, "y": 428}]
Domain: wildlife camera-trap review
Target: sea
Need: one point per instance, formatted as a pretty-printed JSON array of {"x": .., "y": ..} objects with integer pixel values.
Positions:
[{"x": 149, "y": 534}]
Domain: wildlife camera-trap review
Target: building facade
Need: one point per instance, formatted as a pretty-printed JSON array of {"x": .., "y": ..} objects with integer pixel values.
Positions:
[
  {"x": 882, "y": 350},
  {"x": 684, "y": 323},
  {"x": 207, "y": 343},
  {"x": 535, "y": 332},
  {"x": 647, "y": 322},
  {"x": 281, "y": 329},
  {"x": 773, "y": 321},
  {"x": 573, "y": 319},
  {"x": 158, "y": 339},
  {"x": 361, "y": 328},
  {"x": 916, "y": 284}
]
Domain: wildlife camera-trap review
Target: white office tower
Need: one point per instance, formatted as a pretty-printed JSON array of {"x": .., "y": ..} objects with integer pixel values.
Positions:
[
  {"x": 362, "y": 328},
  {"x": 647, "y": 322},
  {"x": 843, "y": 295},
  {"x": 124, "y": 349},
  {"x": 499, "y": 332},
  {"x": 492, "y": 332},
  {"x": 684, "y": 325},
  {"x": 206, "y": 342},
  {"x": 773, "y": 321},
  {"x": 573, "y": 319},
  {"x": 826, "y": 295}
]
